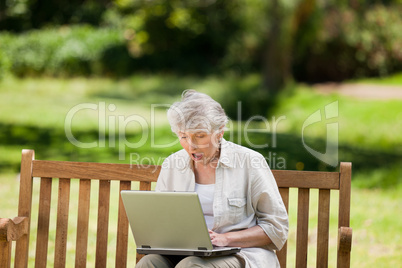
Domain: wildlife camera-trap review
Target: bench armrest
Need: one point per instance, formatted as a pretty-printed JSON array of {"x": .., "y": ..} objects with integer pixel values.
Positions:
[
  {"x": 344, "y": 247},
  {"x": 344, "y": 239},
  {"x": 13, "y": 229}
]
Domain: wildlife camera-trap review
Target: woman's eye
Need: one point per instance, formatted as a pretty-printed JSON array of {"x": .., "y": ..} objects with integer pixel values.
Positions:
[{"x": 200, "y": 135}]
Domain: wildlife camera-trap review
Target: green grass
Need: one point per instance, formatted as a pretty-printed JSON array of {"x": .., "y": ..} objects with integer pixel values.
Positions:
[
  {"x": 46, "y": 102},
  {"x": 377, "y": 227},
  {"x": 363, "y": 123}
]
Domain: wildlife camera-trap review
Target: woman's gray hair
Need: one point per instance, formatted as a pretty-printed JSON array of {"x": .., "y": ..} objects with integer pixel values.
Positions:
[{"x": 196, "y": 112}]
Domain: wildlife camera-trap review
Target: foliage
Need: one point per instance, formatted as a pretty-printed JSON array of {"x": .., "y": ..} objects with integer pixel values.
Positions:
[
  {"x": 242, "y": 98},
  {"x": 4, "y": 64},
  {"x": 340, "y": 44},
  {"x": 76, "y": 50},
  {"x": 311, "y": 41},
  {"x": 183, "y": 36},
  {"x": 20, "y": 16}
]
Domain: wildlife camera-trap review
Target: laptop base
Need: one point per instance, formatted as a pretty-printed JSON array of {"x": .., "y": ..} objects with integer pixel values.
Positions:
[{"x": 191, "y": 252}]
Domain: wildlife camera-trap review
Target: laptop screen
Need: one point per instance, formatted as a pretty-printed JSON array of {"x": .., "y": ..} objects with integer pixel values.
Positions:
[{"x": 172, "y": 220}]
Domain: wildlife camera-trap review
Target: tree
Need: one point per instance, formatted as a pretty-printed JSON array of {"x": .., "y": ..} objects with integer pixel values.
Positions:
[
  {"x": 284, "y": 27},
  {"x": 24, "y": 15}
]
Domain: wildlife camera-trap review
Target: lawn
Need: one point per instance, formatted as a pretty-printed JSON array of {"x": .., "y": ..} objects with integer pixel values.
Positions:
[{"x": 34, "y": 111}]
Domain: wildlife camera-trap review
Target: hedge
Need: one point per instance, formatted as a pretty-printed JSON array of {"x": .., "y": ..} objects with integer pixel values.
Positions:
[{"x": 64, "y": 51}]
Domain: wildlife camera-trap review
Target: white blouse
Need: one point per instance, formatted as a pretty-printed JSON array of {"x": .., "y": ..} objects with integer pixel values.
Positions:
[
  {"x": 206, "y": 195},
  {"x": 246, "y": 194}
]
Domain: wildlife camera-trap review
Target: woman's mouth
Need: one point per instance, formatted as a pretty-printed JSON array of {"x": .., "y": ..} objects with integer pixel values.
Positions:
[{"x": 197, "y": 157}]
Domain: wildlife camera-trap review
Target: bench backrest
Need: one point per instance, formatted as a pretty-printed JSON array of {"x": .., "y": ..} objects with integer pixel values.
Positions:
[{"x": 124, "y": 175}]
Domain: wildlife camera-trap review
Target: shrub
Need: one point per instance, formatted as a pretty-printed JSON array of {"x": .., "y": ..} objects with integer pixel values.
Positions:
[
  {"x": 4, "y": 59},
  {"x": 64, "y": 51},
  {"x": 82, "y": 50},
  {"x": 349, "y": 44},
  {"x": 190, "y": 37},
  {"x": 31, "y": 53}
]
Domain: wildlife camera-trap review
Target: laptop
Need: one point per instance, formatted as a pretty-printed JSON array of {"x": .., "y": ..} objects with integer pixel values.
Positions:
[{"x": 170, "y": 223}]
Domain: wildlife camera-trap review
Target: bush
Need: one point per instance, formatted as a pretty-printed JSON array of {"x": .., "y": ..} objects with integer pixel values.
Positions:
[
  {"x": 4, "y": 62},
  {"x": 350, "y": 44},
  {"x": 191, "y": 37},
  {"x": 65, "y": 51},
  {"x": 31, "y": 53},
  {"x": 243, "y": 97}
]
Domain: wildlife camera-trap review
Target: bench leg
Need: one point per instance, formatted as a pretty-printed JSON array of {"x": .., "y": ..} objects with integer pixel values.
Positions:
[{"x": 5, "y": 254}]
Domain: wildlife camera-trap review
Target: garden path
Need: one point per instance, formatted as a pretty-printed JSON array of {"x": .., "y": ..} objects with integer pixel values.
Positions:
[{"x": 362, "y": 91}]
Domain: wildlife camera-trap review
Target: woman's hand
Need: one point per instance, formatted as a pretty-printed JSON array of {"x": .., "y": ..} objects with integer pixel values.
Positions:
[
  {"x": 219, "y": 240},
  {"x": 251, "y": 237}
]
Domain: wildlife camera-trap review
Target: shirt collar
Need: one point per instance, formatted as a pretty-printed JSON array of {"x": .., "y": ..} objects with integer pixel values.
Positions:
[{"x": 226, "y": 158}]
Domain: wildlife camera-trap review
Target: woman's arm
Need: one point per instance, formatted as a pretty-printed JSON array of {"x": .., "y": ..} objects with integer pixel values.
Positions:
[{"x": 252, "y": 237}]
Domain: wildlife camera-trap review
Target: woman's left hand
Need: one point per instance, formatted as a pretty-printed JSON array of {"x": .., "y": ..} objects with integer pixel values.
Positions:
[
  {"x": 219, "y": 240},
  {"x": 251, "y": 237}
]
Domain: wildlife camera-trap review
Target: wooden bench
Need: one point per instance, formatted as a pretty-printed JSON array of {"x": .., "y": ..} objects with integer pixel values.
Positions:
[{"x": 19, "y": 228}]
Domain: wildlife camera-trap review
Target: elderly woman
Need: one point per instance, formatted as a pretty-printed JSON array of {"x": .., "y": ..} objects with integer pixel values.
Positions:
[{"x": 238, "y": 193}]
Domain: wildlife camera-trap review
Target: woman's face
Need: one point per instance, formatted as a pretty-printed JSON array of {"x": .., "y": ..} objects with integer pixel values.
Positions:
[{"x": 201, "y": 146}]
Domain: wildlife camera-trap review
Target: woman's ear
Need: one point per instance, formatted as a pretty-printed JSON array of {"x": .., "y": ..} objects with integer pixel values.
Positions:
[
  {"x": 221, "y": 134},
  {"x": 222, "y": 131},
  {"x": 217, "y": 137}
]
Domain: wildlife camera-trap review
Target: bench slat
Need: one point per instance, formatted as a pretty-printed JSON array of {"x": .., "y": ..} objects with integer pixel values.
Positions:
[
  {"x": 42, "y": 239},
  {"x": 5, "y": 254},
  {"x": 306, "y": 179},
  {"x": 82, "y": 223},
  {"x": 100, "y": 171},
  {"x": 104, "y": 171},
  {"x": 145, "y": 186},
  {"x": 283, "y": 252},
  {"x": 323, "y": 227},
  {"x": 122, "y": 229},
  {"x": 302, "y": 227},
  {"x": 344, "y": 195},
  {"x": 24, "y": 206},
  {"x": 62, "y": 223},
  {"x": 103, "y": 223},
  {"x": 344, "y": 209}
]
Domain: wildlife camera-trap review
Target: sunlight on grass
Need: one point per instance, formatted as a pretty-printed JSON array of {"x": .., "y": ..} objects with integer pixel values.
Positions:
[
  {"x": 377, "y": 240},
  {"x": 47, "y": 103},
  {"x": 356, "y": 118}
]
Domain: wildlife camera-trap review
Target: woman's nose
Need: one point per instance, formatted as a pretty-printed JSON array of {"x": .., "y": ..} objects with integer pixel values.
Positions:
[{"x": 193, "y": 145}]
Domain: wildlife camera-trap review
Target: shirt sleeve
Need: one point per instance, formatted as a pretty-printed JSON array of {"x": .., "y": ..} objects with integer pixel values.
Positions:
[
  {"x": 271, "y": 213},
  {"x": 175, "y": 174}
]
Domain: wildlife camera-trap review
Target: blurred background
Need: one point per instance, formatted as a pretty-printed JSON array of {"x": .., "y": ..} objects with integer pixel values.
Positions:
[{"x": 271, "y": 64}]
